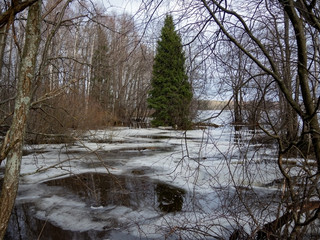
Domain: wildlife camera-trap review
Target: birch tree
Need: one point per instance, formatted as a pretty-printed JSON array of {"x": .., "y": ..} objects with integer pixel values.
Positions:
[{"x": 11, "y": 148}]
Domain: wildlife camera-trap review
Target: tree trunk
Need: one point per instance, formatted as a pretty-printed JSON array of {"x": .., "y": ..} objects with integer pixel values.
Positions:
[
  {"x": 13, "y": 142},
  {"x": 3, "y": 40},
  {"x": 303, "y": 74},
  {"x": 237, "y": 108},
  {"x": 290, "y": 120}
]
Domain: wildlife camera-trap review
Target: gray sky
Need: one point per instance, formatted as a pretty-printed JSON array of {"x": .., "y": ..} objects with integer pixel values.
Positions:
[{"x": 120, "y": 6}]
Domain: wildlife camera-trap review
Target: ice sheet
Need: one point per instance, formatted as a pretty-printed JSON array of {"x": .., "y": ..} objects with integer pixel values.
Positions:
[{"x": 199, "y": 161}]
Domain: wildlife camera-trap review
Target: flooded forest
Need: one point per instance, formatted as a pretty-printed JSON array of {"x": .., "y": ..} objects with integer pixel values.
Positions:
[{"x": 195, "y": 119}]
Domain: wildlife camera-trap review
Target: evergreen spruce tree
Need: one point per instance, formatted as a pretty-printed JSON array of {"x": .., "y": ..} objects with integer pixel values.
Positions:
[{"x": 171, "y": 93}]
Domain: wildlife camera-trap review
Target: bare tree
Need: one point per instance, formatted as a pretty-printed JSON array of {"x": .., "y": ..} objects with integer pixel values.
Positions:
[
  {"x": 66, "y": 58},
  {"x": 121, "y": 69},
  {"x": 272, "y": 68},
  {"x": 299, "y": 205}
]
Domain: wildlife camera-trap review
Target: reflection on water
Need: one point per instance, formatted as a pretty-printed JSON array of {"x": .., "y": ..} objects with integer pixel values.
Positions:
[
  {"x": 129, "y": 191},
  {"x": 237, "y": 138},
  {"x": 102, "y": 191},
  {"x": 247, "y": 136},
  {"x": 23, "y": 225},
  {"x": 170, "y": 198}
]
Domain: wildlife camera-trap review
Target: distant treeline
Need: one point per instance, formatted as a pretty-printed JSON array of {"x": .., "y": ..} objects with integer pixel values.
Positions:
[
  {"x": 219, "y": 105},
  {"x": 214, "y": 104}
]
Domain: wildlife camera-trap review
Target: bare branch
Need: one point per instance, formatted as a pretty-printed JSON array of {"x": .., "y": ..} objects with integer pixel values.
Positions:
[{"x": 16, "y": 7}]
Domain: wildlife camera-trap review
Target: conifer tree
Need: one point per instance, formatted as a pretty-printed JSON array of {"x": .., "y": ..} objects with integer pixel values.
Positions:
[{"x": 171, "y": 93}]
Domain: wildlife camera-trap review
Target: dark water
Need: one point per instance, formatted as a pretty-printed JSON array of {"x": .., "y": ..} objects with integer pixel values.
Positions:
[
  {"x": 97, "y": 191},
  {"x": 131, "y": 191},
  {"x": 23, "y": 225}
]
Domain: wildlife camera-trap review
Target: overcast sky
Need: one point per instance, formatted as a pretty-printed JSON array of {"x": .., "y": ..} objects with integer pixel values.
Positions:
[{"x": 121, "y": 6}]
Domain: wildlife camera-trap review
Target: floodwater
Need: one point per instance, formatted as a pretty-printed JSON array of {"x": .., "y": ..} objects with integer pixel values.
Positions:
[
  {"x": 94, "y": 204},
  {"x": 76, "y": 198},
  {"x": 101, "y": 190},
  {"x": 101, "y": 194}
]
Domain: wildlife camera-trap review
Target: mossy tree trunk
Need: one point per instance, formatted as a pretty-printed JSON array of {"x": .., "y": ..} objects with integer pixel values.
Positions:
[{"x": 13, "y": 142}]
